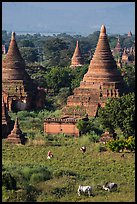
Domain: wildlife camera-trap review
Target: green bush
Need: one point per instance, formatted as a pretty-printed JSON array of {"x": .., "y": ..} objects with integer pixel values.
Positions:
[
  {"x": 102, "y": 148},
  {"x": 61, "y": 172},
  {"x": 130, "y": 143},
  {"x": 93, "y": 136},
  {"x": 59, "y": 191},
  {"x": 37, "y": 177},
  {"x": 8, "y": 181},
  {"x": 27, "y": 172},
  {"x": 30, "y": 194},
  {"x": 38, "y": 173},
  {"x": 116, "y": 145}
]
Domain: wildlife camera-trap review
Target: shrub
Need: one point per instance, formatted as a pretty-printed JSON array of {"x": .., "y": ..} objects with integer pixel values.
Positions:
[
  {"x": 59, "y": 173},
  {"x": 102, "y": 148},
  {"x": 130, "y": 143},
  {"x": 116, "y": 145},
  {"x": 8, "y": 181},
  {"x": 27, "y": 172},
  {"x": 59, "y": 192},
  {"x": 37, "y": 177},
  {"x": 30, "y": 194},
  {"x": 93, "y": 136},
  {"x": 38, "y": 173}
]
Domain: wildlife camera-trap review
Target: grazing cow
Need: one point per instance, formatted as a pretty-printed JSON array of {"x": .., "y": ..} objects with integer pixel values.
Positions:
[
  {"x": 83, "y": 149},
  {"x": 110, "y": 186},
  {"x": 84, "y": 189}
]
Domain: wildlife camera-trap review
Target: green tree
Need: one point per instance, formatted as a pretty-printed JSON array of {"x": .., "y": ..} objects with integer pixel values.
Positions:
[
  {"x": 57, "y": 78},
  {"x": 119, "y": 113},
  {"x": 26, "y": 43},
  {"x": 84, "y": 126},
  {"x": 77, "y": 75},
  {"x": 129, "y": 77},
  {"x": 29, "y": 54},
  {"x": 52, "y": 50}
]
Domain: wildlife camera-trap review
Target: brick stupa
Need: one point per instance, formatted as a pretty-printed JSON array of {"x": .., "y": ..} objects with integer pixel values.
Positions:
[
  {"x": 15, "y": 80},
  {"x": 77, "y": 59},
  {"x": 118, "y": 48},
  {"x": 102, "y": 81},
  {"x": 16, "y": 136}
]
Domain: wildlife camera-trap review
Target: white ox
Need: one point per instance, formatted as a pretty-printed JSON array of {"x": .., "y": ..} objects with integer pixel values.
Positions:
[
  {"x": 110, "y": 187},
  {"x": 84, "y": 189}
]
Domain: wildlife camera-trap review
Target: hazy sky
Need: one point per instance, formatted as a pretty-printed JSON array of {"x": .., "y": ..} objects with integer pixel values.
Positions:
[{"x": 71, "y": 17}]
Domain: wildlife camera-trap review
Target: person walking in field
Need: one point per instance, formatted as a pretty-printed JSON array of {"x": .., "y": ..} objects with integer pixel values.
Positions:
[{"x": 49, "y": 155}]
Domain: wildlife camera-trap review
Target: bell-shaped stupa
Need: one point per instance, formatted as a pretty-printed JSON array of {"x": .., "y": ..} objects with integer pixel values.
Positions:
[
  {"x": 13, "y": 65},
  {"x": 16, "y": 83},
  {"x": 101, "y": 81},
  {"x": 77, "y": 59}
]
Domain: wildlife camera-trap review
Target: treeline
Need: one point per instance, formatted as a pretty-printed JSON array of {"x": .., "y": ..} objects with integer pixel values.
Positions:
[{"x": 57, "y": 50}]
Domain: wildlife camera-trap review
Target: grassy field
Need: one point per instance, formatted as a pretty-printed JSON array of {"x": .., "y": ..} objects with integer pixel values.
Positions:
[{"x": 68, "y": 168}]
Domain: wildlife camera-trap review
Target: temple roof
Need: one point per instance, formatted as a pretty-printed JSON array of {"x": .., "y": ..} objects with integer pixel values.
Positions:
[
  {"x": 102, "y": 67},
  {"x": 13, "y": 65}
]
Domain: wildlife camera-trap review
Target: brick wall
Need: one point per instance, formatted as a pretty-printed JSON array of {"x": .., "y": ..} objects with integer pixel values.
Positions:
[{"x": 57, "y": 127}]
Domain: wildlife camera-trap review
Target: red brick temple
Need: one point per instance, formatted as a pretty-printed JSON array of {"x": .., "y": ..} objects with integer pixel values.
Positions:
[
  {"x": 16, "y": 136},
  {"x": 102, "y": 81},
  {"x": 18, "y": 88},
  {"x": 77, "y": 59}
]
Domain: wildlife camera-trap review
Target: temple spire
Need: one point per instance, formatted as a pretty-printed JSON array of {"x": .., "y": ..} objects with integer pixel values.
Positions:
[
  {"x": 103, "y": 30},
  {"x": 13, "y": 36},
  {"x": 77, "y": 59}
]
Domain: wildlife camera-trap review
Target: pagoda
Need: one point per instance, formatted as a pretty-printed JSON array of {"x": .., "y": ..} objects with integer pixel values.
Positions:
[
  {"x": 118, "y": 48},
  {"x": 102, "y": 81},
  {"x": 16, "y": 136},
  {"x": 77, "y": 59},
  {"x": 16, "y": 83}
]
